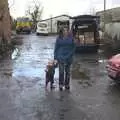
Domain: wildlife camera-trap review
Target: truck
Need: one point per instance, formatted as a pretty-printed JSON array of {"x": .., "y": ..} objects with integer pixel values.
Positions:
[
  {"x": 23, "y": 24},
  {"x": 85, "y": 30}
]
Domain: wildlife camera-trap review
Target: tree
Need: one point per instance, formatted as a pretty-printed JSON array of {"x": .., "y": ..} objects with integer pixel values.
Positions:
[
  {"x": 5, "y": 23},
  {"x": 34, "y": 11},
  {"x": 11, "y": 3},
  {"x": 13, "y": 23}
]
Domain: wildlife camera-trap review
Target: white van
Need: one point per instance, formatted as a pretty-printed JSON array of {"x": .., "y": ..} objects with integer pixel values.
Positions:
[{"x": 42, "y": 28}]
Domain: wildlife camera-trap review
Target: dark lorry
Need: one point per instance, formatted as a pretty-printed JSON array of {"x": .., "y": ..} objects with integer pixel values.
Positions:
[{"x": 86, "y": 34}]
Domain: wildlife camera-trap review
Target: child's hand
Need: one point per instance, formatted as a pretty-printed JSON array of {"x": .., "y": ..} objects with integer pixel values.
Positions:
[{"x": 56, "y": 63}]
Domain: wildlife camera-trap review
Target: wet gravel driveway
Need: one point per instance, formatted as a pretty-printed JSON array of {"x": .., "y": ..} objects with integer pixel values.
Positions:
[{"x": 93, "y": 96}]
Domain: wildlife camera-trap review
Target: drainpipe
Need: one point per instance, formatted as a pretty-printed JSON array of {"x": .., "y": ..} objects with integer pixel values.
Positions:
[
  {"x": 104, "y": 15},
  {"x": 51, "y": 24}
]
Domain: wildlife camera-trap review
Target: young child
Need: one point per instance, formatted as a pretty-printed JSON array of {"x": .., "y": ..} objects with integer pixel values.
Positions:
[{"x": 50, "y": 71}]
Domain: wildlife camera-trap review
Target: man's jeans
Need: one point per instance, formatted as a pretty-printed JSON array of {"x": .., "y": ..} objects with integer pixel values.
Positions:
[{"x": 64, "y": 74}]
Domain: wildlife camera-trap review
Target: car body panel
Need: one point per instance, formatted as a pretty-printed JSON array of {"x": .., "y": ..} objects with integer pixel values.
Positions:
[{"x": 113, "y": 67}]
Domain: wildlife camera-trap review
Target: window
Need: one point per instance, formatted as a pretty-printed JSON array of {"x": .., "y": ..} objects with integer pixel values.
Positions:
[{"x": 42, "y": 25}]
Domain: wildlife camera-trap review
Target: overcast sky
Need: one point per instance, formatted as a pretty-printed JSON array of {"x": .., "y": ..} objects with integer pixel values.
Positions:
[{"x": 57, "y": 7}]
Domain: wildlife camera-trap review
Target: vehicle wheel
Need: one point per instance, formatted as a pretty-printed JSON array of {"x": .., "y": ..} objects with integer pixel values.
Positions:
[
  {"x": 17, "y": 32},
  {"x": 46, "y": 34},
  {"x": 28, "y": 32},
  {"x": 117, "y": 80},
  {"x": 37, "y": 34}
]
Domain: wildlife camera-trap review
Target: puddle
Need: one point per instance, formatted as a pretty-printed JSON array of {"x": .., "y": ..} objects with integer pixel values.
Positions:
[
  {"x": 82, "y": 77},
  {"x": 8, "y": 74},
  {"x": 27, "y": 72},
  {"x": 85, "y": 83},
  {"x": 79, "y": 73},
  {"x": 47, "y": 48},
  {"x": 76, "y": 74},
  {"x": 92, "y": 61}
]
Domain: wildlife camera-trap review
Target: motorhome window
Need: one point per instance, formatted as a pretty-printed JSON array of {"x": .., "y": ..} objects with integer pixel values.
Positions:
[{"x": 42, "y": 25}]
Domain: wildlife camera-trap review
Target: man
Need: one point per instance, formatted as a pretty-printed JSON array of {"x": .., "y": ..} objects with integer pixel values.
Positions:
[{"x": 63, "y": 53}]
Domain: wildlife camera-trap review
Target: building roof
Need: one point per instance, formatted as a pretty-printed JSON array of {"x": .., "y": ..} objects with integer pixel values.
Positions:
[{"x": 56, "y": 17}]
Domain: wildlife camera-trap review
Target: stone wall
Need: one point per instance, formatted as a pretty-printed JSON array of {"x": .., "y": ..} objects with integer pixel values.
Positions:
[{"x": 5, "y": 24}]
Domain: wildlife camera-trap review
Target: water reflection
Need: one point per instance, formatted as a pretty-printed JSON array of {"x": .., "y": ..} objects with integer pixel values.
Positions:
[{"x": 15, "y": 54}]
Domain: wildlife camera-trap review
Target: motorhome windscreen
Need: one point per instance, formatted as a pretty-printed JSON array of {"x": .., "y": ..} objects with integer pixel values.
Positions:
[{"x": 42, "y": 25}]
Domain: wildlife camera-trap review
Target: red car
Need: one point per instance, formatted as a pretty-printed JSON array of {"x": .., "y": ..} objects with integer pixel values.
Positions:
[{"x": 113, "y": 67}]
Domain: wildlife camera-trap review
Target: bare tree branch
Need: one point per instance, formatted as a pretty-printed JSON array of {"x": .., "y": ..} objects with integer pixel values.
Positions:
[
  {"x": 35, "y": 11},
  {"x": 13, "y": 2}
]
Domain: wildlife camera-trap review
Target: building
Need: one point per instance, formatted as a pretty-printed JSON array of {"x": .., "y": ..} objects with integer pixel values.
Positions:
[
  {"x": 111, "y": 15},
  {"x": 112, "y": 26},
  {"x": 55, "y": 23}
]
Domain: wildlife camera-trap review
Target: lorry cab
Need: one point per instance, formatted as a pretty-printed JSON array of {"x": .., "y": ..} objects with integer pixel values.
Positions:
[
  {"x": 85, "y": 32},
  {"x": 23, "y": 25},
  {"x": 42, "y": 28}
]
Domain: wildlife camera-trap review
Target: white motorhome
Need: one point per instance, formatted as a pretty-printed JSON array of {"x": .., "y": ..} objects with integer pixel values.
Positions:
[{"x": 42, "y": 28}]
